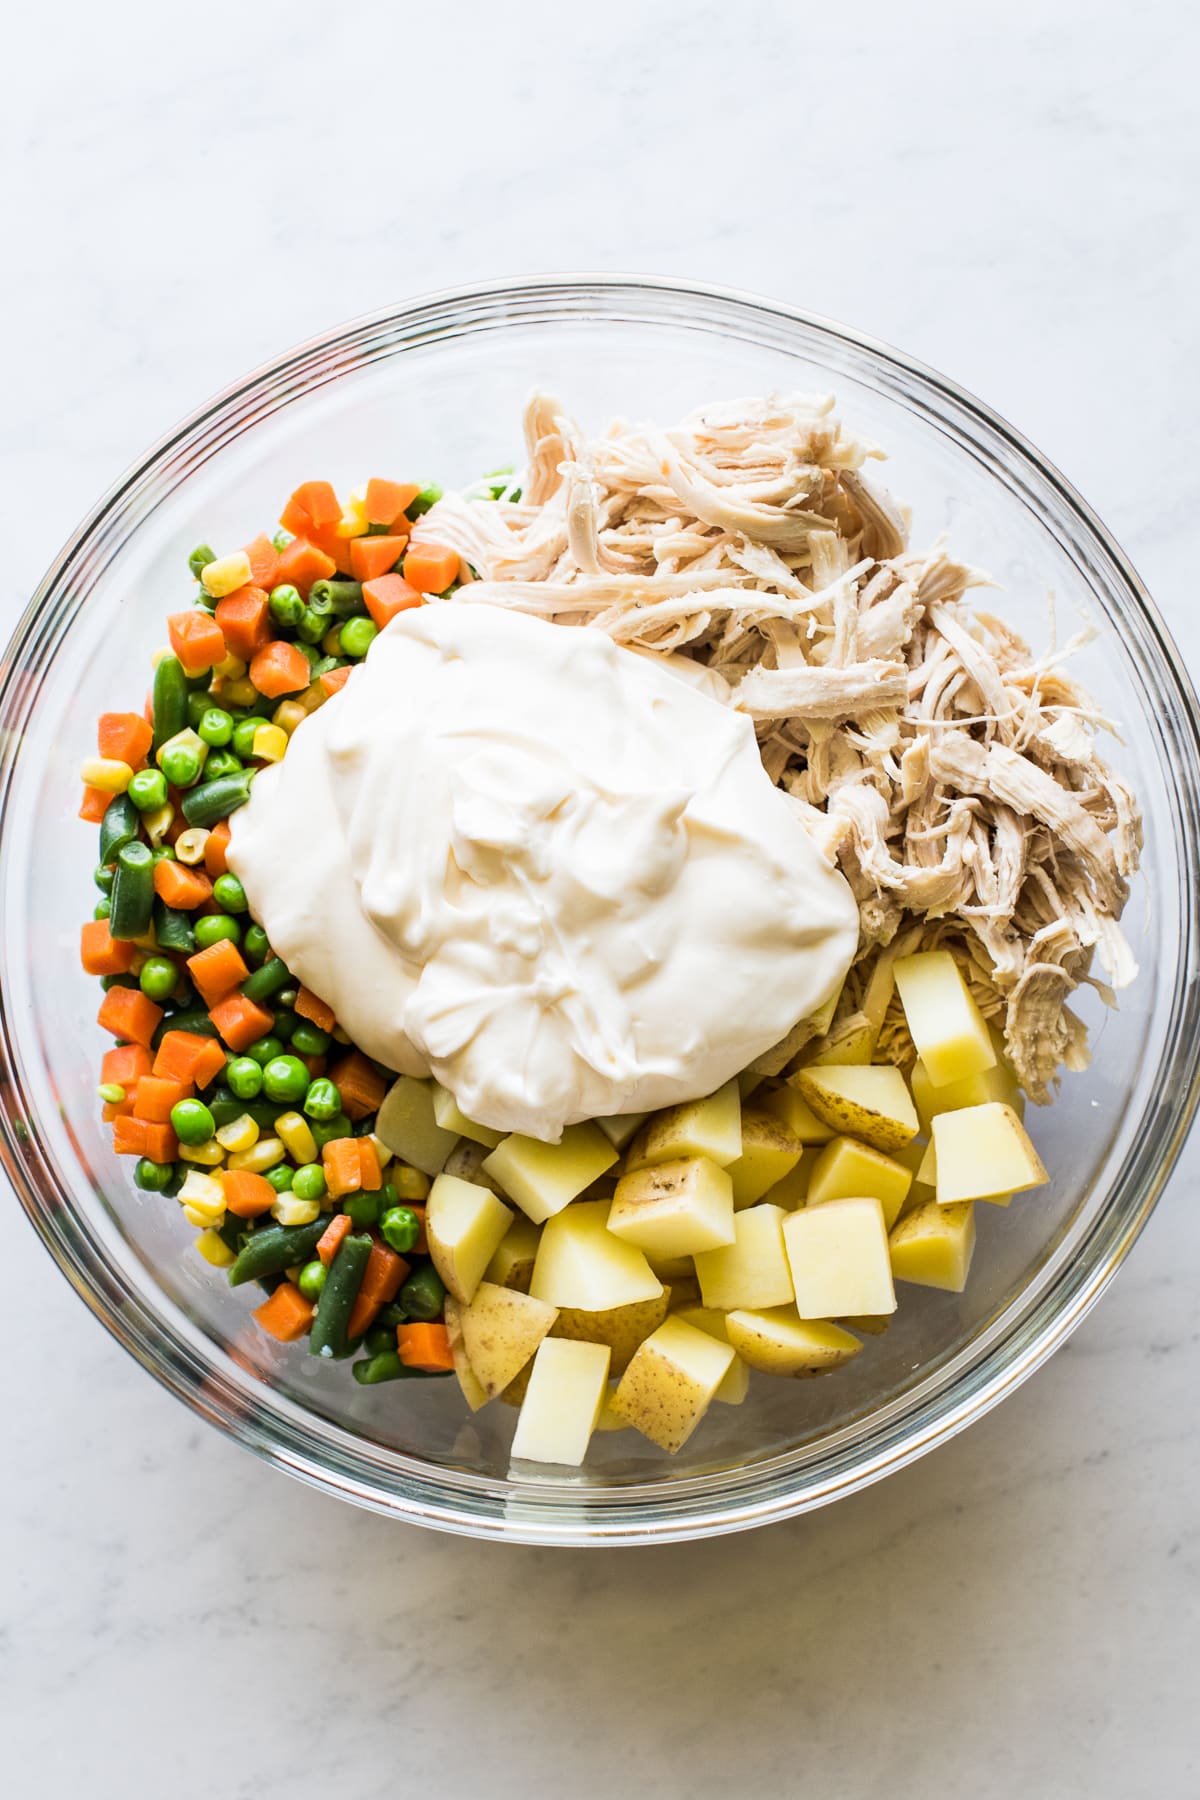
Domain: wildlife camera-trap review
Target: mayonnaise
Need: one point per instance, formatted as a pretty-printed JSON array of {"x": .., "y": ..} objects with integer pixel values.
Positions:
[{"x": 518, "y": 857}]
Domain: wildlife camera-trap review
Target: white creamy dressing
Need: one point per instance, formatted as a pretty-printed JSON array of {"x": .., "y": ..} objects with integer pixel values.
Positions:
[{"x": 544, "y": 869}]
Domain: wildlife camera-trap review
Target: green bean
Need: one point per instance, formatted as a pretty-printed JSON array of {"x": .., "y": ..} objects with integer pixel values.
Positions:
[
  {"x": 285, "y": 1023},
  {"x": 200, "y": 558},
  {"x": 384, "y": 1366},
  {"x": 102, "y": 908},
  {"x": 190, "y": 1018},
  {"x": 197, "y": 704},
  {"x": 281, "y": 539},
  {"x": 222, "y": 762},
  {"x": 133, "y": 892},
  {"x": 423, "y": 1294},
  {"x": 173, "y": 929},
  {"x": 341, "y": 599},
  {"x": 379, "y": 1339},
  {"x": 346, "y": 1271},
  {"x": 118, "y": 827},
  {"x": 214, "y": 800},
  {"x": 428, "y": 496},
  {"x": 170, "y": 700},
  {"x": 103, "y": 878},
  {"x": 266, "y": 981},
  {"x": 277, "y": 1247}
]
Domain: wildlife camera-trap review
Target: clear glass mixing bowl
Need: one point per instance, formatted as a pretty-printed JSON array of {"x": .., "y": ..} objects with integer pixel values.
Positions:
[{"x": 436, "y": 390}]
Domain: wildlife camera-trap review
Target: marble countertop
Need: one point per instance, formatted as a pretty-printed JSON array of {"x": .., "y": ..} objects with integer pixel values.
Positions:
[{"x": 1011, "y": 200}]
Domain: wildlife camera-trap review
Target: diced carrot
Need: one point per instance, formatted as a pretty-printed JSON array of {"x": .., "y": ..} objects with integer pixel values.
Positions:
[
  {"x": 156, "y": 1095},
  {"x": 125, "y": 1064},
  {"x": 372, "y": 556},
  {"x": 286, "y": 1315},
  {"x": 301, "y": 563},
  {"x": 125, "y": 737},
  {"x": 421, "y": 1247},
  {"x": 334, "y": 680},
  {"x": 217, "y": 970},
  {"x": 319, "y": 501},
  {"x": 280, "y": 669},
  {"x": 129, "y": 1136},
  {"x": 162, "y": 1146},
  {"x": 264, "y": 564},
  {"x": 246, "y": 1194},
  {"x": 424, "y": 1347},
  {"x": 188, "y": 1056},
  {"x": 245, "y": 622},
  {"x": 94, "y": 805},
  {"x": 127, "y": 1013},
  {"x": 119, "y": 1109},
  {"x": 101, "y": 953},
  {"x": 196, "y": 640},
  {"x": 330, "y": 1240},
  {"x": 214, "y": 850},
  {"x": 361, "y": 1088},
  {"x": 386, "y": 500},
  {"x": 388, "y": 595},
  {"x": 368, "y": 1162},
  {"x": 326, "y": 538},
  {"x": 431, "y": 567},
  {"x": 241, "y": 1022},
  {"x": 314, "y": 1010},
  {"x": 181, "y": 887},
  {"x": 382, "y": 1280},
  {"x": 295, "y": 519},
  {"x": 343, "y": 1166}
]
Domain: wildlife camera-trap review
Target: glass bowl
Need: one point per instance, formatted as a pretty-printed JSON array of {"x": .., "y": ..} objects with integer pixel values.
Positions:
[{"x": 435, "y": 391}]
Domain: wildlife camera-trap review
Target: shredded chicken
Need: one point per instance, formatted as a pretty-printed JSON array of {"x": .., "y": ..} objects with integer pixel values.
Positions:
[{"x": 953, "y": 775}]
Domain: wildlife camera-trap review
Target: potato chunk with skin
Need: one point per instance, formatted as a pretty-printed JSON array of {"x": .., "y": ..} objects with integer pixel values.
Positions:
[
  {"x": 667, "y": 1388},
  {"x": 779, "y": 1342},
  {"x": 851, "y": 1041},
  {"x": 568, "y": 1385},
  {"x": 674, "y": 1209},
  {"x": 736, "y": 1384},
  {"x": 622, "y": 1328},
  {"x": 466, "y": 1225},
  {"x": 451, "y": 1117},
  {"x": 581, "y": 1264},
  {"x": 838, "y": 1254},
  {"x": 468, "y": 1381},
  {"x": 512, "y": 1265},
  {"x": 753, "y": 1271},
  {"x": 924, "y": 1185},
  {"x": 543, "y": 1178},
  {"x": 408, "y": 1126},
  {"x": 846, "y": 1168},
  {"x": 932, "y": 1246},
  {"x": 769, "y": 1152},
  {"x": 996, "y": 1083},
  {"x": 871, "y": 1102},
  {"x": 501, "y": 1329},
  {"x": 944, "y": 1023},
  {"x": 789, "y": 1105},
  {"x": 711, "y": 1127},
  {"x": 981, "y": 1151}
]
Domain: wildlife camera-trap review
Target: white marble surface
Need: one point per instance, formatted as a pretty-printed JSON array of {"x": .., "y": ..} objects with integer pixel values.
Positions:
[{"x": 1008, "y": 192}]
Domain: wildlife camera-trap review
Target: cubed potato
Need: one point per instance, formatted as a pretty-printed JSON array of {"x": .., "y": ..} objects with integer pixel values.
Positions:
[
  {"x": 736, "y": 1383},
  {"x": 674, "y": 1209},
  {"x": 408, "y": 1126},
  {"x": 752, "y": 1272},
  {"x": 788, "y": 1104},
  {"x": 608, "y": 1419},
  {"x": 622, "y": 1328},
  {"x": 465, "y": 1225},
  {"x": 845, "y": 1168},
  {"x": 470, "y": 1384},
  {"x": 851, "y": 1040},
  {"x": 982, "y": 1151},
  {"x": 944, "y": 1023},
  {"x": 451, "y": 1117},
  {"x": 996, "y": 1083},
  {"x": 770, "y": 1150},
  {"x": 581, "y": 1264},
  {"x": 618, "y": 1128},
  {"x": 673, "y": 1269},
  {"x": 466, "y": 1160},
  {"x": 711, "y": 1127},
  {"x": 543, "y": 1178},
  {"x": 567, "y": 1387},
  {"x": 669, "y": 1385},
  {"x": 512, "y": 1265},
  {"x": 924, "y": 1185},
  {"x": 932, "y": 1246},
  {"x": 779, "y": 1342},
  {"x": 749, "y": 1082},
  {"x": 772, "y": 1061},
  {"x": 838, "y": 1255},
  {"x": 501, "y": 1329},
  {"x": 871, "y": 1102},
  {"x": 792, "y": 1191}
]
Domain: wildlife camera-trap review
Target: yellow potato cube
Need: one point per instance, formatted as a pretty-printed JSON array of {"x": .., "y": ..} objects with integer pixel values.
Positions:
[
  {"x": 932, "y": 1246},
  {"x": 408, "y": 1126},
  {"x": 622, "y": 1328},
  {"x": 792, "y": 1191},
  {"x": 581, "y": 1264},
  {"x": 674, "y": 1209},
  {"x": 871, "y": 1102},
  {"x": 789, "y": 1105},
  {"x": 769, "y": 1152},
  {"x": 753, "y": 1271},
  {"x": 512, "y": 1265},
  {"x": 853, "y": 1040},
  {"x": 924, "y": 1185},
  {"x": 469, "y": 1383},
  {"x": 838, "y": 1255},
  {"x": 711, "y": 1127},
  {"x": 465, "y": 1225},
  {"x": 779, "y": 1342},
  {"x": 568, "y": 1385},
  {"x": 543, "y": 1178},
  {"x": 944, "y": 1023},
  {"x": 981, "y": 1151},
  {"x": 996, "y": 1083},
  {"x": 845, "y": 1168},
  {"x": 451, "y": 1117},
  {"x": 736, "y": 1382},
  {"x": 501, "y": 1329},
  {"x": 667, "y": 1388}
]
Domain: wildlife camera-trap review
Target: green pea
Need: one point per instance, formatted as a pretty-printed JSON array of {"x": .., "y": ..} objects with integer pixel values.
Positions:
[
  {"x": 197, "y": 705},
  {"x": 423, "y": 1294},
  {"x": 286, "y": 604},
  {"x": 285, "y": 1024},
  {"x": 104, "y": 878},
  {"x": 102, "y": 907},
  {"x": 391, "y": 1194},
  {"x": 153, "y": 1177},
  {"x": 280, "y": 1177},
  {"x": 164, "y": 853},
  {"x": 255, "y": 946},
  {"x": 325, "y": 1130},
  {"x": 311, "y": 1280},
  {"x": 264, "y": 1049},
  {"x": 216, "y": 928},
  {"x": 229, "y": 894},
  {"x": 148, "y": 790},
  {"x": 357, "y": 636},
  {"x": 288, "y": 996},
  {"x": 312, "y": 627},
  {"x": 215, "y": 727},
  {"x": 361, "y": 1209},
  {"x": 322, "y": 1100},
  {"x": 309, "y": 1040},
  {"x": 220, "y": 763},
  {"x": 380, "y": 1340},
  {"x": 243, "y": 738},
  {"x": 308, "y": 1183},
  {"x": 285, "y": 1079},
  {"x": 181, "y": 764},
  {"x": 193, "y": 1122},
  {"x": 244, "y": 1077},
  {"x": 200, "y": 558},
  {"x": 401, "y": 1228},
  {"x": 158, "y": 978}
]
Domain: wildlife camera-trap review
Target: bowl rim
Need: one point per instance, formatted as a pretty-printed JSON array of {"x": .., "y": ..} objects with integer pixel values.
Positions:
[{"x": 574, "y": 1516}]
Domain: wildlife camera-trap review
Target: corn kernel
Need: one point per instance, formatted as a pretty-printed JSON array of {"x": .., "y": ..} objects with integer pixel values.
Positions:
[
  {"x": 331, "y": 643},
  {"x": 215, "y": 1250},
  {"x": 354, "y": 522},
  {"x": 226, "y": 574},
  {"x": 313, "y": 696},
  {"x": 189, "y": 845},
  {"x": 288, "y": 714},
  {"x": 410, "y": 1184},
  {"x": 106, "y": 773},
  {"x": 270, "y": 743},
  {"x": 240, "y": 692},
  {"x": 293, "y": 1128},
  {"x": 260, "y": 1157},
  {"x": 240, "y": 1134},
  {"x": 205, "y": 1195},
  {"x": 160, "y": 655},
  {"x": 288, "y": 1210},
  {"x": 208, "y": 1155},
  {"x": 230, "y": 668},
  {"x": 159, "y": 822},
  {"x": 187, "y": 739}
]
